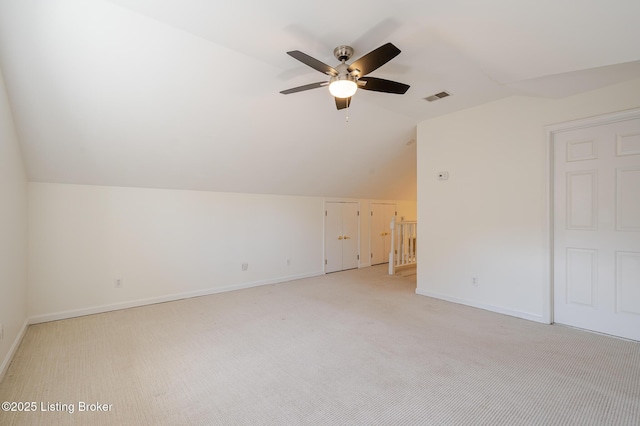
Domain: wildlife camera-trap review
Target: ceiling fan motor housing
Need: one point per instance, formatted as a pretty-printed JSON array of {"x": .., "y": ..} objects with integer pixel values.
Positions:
[{"x": 343, "y": 73}]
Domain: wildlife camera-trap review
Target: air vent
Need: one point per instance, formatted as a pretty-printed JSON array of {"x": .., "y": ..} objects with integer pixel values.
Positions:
[{"x": 437, "y": 96}]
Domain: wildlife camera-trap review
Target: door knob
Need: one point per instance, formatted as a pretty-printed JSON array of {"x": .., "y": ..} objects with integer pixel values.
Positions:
[
  {"x": 340, "y": 237},
  {"x": 347, "y": 238}
]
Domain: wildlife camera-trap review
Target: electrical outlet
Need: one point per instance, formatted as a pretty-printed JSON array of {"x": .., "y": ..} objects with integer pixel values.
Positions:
[
  {"x": 474, "y": 281},
  {"x": 118, "y": 283},
  {"x": 245, "y": 266}
]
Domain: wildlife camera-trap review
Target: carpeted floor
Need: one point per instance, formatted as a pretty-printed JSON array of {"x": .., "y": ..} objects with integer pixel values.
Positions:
[{"x": 351, "y": 348}]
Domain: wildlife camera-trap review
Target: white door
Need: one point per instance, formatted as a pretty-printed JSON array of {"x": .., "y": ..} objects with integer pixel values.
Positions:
[
  {"x": 350, "y": 227},
  {"x": 381, "y": 215},
  {"x": 341, "y": 236},
  {"x": 597, "y": 228}
]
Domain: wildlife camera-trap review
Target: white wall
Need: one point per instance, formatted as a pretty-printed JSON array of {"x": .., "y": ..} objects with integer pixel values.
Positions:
[
  {"x": 13, "y": 235},
  {"x": 407, "y": 210},
  {"x": 490, "y": 219},
  {"x": 164, "y": 244}
]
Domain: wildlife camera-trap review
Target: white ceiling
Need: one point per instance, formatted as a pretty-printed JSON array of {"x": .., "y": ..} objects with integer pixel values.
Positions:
[{"x": 184, "y": 93}]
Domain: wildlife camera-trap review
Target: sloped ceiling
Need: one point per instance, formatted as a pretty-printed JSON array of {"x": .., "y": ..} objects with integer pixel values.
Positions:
[{"x": 184, "y": 93}]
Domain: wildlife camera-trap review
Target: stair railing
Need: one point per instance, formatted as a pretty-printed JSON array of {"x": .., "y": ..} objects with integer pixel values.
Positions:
[{"x": 403, "y": 244}]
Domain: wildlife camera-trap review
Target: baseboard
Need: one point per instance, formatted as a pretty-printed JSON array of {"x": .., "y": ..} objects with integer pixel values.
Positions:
[
  {"x": 161, "y": 299},
  {"x": 486, "y": 307},
  {"x": 12, "y": 350}
]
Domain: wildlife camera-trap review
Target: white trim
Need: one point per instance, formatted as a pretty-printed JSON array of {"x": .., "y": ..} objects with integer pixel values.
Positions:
[
  {"x": 594, "y": 121},
  {"x": 359, "y": 232},
  {"x": 551, "y": 130},
  {"x": 12, "y": 350},
  {"x": 161, "y": 299},
  {"x": 492, "y": 308},
  {"x": 547, "y": 229}
]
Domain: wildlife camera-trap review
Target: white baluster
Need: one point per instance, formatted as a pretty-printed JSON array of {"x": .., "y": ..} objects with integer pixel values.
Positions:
[{"x": 404, "y": 241}]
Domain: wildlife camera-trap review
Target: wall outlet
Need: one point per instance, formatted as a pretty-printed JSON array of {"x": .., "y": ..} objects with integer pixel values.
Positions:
[
  {"x": 443, "y": 175},
  {"x": 474, "y": 281},
  {"x": 245, "y": 266},
  {"x": 117, "y": 283}
]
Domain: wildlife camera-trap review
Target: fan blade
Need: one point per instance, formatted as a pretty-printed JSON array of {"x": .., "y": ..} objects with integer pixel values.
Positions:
[
  {"x": 374, "y": 59},
  {"x": 342, "y": 103},
  {"x": 305, "y": 87},
  {"x": 312, "y": 62},
  {"x": 382, "y": 85}
]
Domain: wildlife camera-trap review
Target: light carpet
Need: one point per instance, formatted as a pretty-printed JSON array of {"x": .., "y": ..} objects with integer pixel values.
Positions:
[{"x": 352, "y": 348}]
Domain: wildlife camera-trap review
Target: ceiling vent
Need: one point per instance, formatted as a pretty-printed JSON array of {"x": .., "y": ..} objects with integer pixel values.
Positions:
[{"x": 437, "y": 96}]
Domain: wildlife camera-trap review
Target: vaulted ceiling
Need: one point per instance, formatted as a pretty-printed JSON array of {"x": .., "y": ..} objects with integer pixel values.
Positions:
[{"x": 185, "y": 93}]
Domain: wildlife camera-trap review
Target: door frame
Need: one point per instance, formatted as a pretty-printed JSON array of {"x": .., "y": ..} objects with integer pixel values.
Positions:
[{"x": 551, "y": 131}]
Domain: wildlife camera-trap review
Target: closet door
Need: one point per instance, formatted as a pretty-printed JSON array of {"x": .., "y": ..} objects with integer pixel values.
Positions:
[
  {"x": 341, "y": 236},
  {"x": 381, "y": 215},
  {"x": 350, "y": 235},
  {"x": 597, "y": 228}
]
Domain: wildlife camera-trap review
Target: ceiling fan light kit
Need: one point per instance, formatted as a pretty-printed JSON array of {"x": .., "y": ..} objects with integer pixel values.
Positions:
[
  {"x": 344, "y": 80},
  {"x": 343, "y": 86}
]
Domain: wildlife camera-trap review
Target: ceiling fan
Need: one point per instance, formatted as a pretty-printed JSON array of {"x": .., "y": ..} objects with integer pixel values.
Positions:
[{"x": 345, "y": 79}]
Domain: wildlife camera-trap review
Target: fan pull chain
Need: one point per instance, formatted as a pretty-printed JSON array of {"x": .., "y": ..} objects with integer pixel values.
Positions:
[{"x": 347, "y": 110}]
